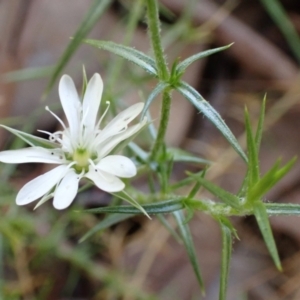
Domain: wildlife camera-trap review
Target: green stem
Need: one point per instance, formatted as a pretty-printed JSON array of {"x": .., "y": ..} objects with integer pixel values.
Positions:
[
  {"x": 163, "y": 73},
  {"x": 163, "y": 124},
  {"x": 154, "y": 32}
]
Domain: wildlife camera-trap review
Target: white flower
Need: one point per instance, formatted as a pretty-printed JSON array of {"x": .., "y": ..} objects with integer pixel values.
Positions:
[{"x": 80, "y": 150}]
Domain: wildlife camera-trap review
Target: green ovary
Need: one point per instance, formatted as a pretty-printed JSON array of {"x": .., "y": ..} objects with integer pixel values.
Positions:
[{"x": 81, "y": 156}]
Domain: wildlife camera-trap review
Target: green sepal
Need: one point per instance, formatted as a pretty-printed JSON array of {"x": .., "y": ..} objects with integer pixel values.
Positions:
[
  {"x": 105, "y": 223},
  {"x": 163, "y": 207},
  {"x": 189, "y": 246},
  {"x": 131, "y": 54},
  {"x": 262, "y": 219},
  {"x": 202, "y": 105},
  {"x": 32, "y": 140},
  {"x": 96, "y": 10}
]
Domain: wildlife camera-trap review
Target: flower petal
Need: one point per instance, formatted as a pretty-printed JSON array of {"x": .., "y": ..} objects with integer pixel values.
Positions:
[
  {"x": 121, "y": 121},
  {"x": 66, "y": 190},
  {"x": 91, "y": 101},
  {"x": 104, "y": 181},
  {"x": 117, "y": 165},
  {"x": 105, "y": 147},
  {"x": 39, "y": 186},
  {"x": 70, "y": 102},
  {"x": 31, "y": 154}
]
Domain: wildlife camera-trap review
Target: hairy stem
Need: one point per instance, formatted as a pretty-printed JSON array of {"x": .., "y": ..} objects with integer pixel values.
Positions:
[{"x": 163, "y": 73}]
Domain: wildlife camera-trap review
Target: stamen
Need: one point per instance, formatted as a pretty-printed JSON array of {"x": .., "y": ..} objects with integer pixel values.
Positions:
[{"x": 56, "y": 117}]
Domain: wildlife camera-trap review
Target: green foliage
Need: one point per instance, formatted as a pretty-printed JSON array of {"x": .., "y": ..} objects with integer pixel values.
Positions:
[{"x": 157, "y": 161}]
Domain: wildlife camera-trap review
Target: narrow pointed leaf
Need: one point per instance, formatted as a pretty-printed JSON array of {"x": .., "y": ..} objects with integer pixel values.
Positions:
[
  {"x": 31, "y": 139},
  {"x": 180, "y": 68},
  {"x": 96, "y": 10},
  {"x": 138, "y": 151},
  {"x": 202, "y": 105},
  {"x": 158, "y": 89},
  {"x": 196, "y": 187},
  {"x": 226, "y": 256},
  {"x": 279, "y": 209},
  {"x": 260, "y": 125},
  {"x": 151, "y": 209},
  {"x": 189, "y": 245},
  {"x": 223, "y": 195},
  {"x": 107, "y": 222},
  {"x": 168, "y": 226},
  {"x": 270, "y": 179},
  {"x": 253, "y": 166},
  {"x": 27, "y": 74},
  {"x": 131, "y": 54},
  {"x": 180, "y": 155},
  {"x": 124, "y": 196},
  {"x": 262, "y": 219}
]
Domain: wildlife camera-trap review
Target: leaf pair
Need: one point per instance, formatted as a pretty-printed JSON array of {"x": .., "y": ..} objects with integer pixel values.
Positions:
[{"x": 173, "y": 83}]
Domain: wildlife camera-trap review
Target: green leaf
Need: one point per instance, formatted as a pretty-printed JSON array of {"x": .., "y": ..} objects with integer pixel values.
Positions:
[
  {"x": 283, "y": 21},
  {"x": 269, "y": 180},
  {"x": 262, "y": 219},
  {"x": 158, "y": 89},
  {"x": 180, "y": 68},
  {"x": 124, "y": 196},
  {"x": 280, "y": 209},
  {"x": 253, "y": 166},
  {"x": 197, "y": 100},
  {"x": 96, "y": 10},
  {"x": 180, "y": 155},
  {"x": 189, "y": 245},
  {"x": 168, "y": 226},
  {"x": 131, "y": 54},
  {"x": 105, "y": 223},
  {"x": 196, "y": 187},
  {"x": 138, "y": 151},
  {"x": 151, "y": 209},
  {"x": 225, "y": 196},
  {"x": 27, "y": 74},
  {"x": 260, "y": 124},
  {"x": 226, "y": 255},
  {"x": 31, "y": 139}
]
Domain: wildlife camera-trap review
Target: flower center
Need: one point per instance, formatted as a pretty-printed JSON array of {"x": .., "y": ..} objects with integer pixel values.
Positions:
[{"x": 81, "y": 157}]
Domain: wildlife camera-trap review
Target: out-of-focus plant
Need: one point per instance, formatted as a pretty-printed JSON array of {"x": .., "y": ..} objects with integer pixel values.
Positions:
[{"x": 158, "y": 160}]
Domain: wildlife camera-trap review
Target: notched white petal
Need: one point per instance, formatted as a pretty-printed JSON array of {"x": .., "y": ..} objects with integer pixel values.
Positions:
[
  {"x": 31, "y": 155},
  {"x": 105, "y": 147},
  {"x": 121, "y": 121},
  {"x": 70, "y": 102},
  {"x": 39, "y": 186},
  {"x": 91, "y": 100},
  {"x": 104, "y": 181},
  {"x": 117, "y": 165},
  {"x": 66, "y": 190}
]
